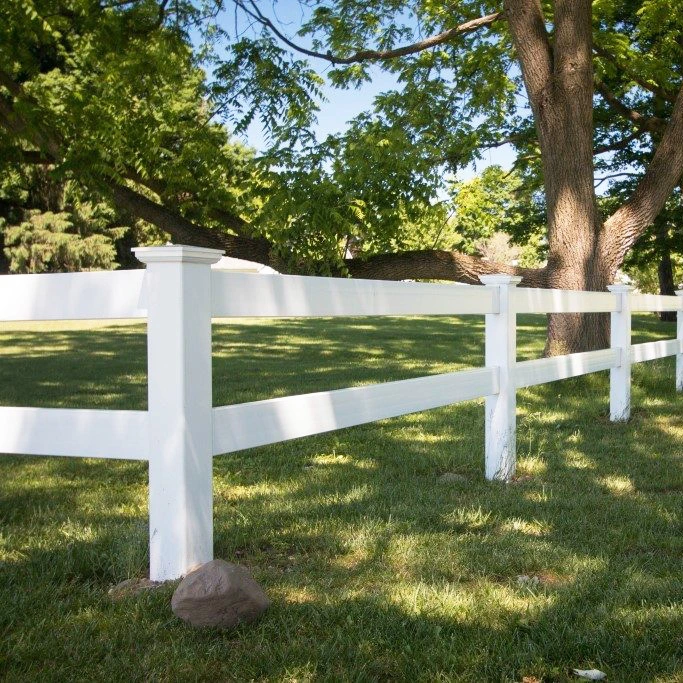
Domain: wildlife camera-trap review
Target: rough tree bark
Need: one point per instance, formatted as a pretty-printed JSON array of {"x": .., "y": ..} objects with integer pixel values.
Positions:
[
  {"x": 559, "y": 82},
  {"x": 583, "y": 251}
]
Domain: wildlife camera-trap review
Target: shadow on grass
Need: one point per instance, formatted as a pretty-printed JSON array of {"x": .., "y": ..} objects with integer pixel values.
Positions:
[{"x": 378, "y": 570}]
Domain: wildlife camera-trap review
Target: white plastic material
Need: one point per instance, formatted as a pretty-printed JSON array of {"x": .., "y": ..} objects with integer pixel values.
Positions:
[
  {"x": 501, "y": 352},
  {"x": 180, "y": 408}
]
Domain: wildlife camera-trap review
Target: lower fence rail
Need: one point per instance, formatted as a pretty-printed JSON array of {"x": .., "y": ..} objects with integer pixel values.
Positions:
[
  {"x": 539, "y": 371},
  {"x": 656, "y": 350},
  {"x": 115, "y": 434},
  {"x": 247, "y": 425}
]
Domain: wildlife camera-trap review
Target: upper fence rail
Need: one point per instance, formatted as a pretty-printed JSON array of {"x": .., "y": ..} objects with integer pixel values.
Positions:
[
  {"x": 236, "y": 295},
  {"x": 73, "y": 296},
  {"x": 121, "y": 294}
]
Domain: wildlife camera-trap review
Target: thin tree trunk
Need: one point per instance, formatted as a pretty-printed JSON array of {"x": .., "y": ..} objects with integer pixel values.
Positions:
[
  {"x": 4, "y": 262},
  {"x": 665, "y": 271}
]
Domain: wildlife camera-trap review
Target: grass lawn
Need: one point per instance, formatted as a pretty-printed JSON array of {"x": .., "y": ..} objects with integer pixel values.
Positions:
[{"x": 376, "y": 568}]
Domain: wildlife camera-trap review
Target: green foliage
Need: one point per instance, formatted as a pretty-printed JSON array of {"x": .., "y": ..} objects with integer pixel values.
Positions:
[
  {"x": 121, "y": 90},
  {"x": 52, "y": 226},
  {"x": 495, "y": 201},
  {"x": 142, "y": 92},
  {"x": 50, "y": 242}
]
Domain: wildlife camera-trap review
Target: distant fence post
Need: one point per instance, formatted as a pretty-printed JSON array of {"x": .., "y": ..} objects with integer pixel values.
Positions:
[
  {"x": 620, "y": 336},
  {"x": 501, "y": 408},
  {"x": 178, "y": 291},
  {"x": 679, "y": 336}
]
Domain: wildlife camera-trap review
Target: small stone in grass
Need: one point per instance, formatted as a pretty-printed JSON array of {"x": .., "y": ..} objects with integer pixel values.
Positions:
[
  {"x": 219, "y": 594},
  {"x": 590, "y": 674},
  {"x": 131, "y": 587},
  {"x": 528, "y": 581}
]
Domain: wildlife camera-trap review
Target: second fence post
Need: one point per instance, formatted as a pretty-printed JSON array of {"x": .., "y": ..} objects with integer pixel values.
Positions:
[
  {"x": 501, "y": 352},
  {"x": 679, "y": 336},
  {"x": 178, "y": 290},
  {"x": 620, "y": 339}
]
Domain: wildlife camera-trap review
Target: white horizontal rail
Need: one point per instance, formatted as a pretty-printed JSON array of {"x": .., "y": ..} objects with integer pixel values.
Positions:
[
  {"x": 281, "y": 296},
  {"x": 73, "y": 296},
  {"x": 117, "y": 434},
  {"x": 655, "y": 350},
  {"x": 247, "y": 425},
  {"x": 655, "y": 302},
  {"x": 539, "y": 371},
  {"x": 528, "y": 300}
]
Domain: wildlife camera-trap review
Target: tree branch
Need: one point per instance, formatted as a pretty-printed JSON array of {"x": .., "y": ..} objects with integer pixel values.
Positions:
[
  {"x": 615, "y": 175},
  {"x": 372, "y": 55},
  {"x": 630, "y": 220},
  {"x": 652, "y": 124},
  {"x": 435, "y": 264},
  {"x": 34, "y": 157},
  {"x": 619, "y": 144},
  {"x": 531, "y": 42},
  {"x": 655, "y": 89},
  {"x": 184, "y": 231},
  {"x": 230, "y": 220},
  {"x": 8, "y": 82}
]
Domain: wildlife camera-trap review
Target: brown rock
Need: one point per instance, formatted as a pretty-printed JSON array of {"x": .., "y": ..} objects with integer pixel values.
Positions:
[{"x": 219, "y": 594}]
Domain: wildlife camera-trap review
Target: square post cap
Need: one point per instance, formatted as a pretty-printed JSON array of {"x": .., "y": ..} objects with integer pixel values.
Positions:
[
  {"x": 501, "y": 279},
  {"x": 620, "y": 288},
  {"x": 178, "y": 253}
]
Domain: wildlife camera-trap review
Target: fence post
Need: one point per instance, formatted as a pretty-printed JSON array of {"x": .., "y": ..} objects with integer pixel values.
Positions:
[
  {"x": 679, "y": 336},
  {"x": 501, "y": 352},
  {"x": 178, "y": 291},
  {"x": 620, "y": 338}
]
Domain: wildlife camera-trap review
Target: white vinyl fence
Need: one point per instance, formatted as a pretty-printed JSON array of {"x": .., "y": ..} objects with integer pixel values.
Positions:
[{"x": 179, "y": 293}]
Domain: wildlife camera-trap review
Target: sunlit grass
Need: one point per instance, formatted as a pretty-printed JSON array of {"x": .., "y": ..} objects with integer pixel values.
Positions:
[{"x": 378, "y": 568}]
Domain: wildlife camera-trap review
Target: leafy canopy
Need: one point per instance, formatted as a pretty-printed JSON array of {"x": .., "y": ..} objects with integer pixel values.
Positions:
[{"x": 141, "y": 91}]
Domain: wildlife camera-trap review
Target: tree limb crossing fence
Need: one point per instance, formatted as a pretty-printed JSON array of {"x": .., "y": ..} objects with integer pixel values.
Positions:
[{"x": 178, "y": 293}]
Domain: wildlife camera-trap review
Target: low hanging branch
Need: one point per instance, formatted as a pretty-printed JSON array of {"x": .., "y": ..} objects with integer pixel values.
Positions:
[
  {"x": 371, "y": 55},
  {"x": 652, "y": 124},
  {"x": 435, "y": 264},
  {"x": 426, "y": 264}
]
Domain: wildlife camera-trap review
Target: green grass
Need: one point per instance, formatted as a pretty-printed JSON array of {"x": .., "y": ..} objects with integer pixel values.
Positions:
[{"x": 377, "y": 570}]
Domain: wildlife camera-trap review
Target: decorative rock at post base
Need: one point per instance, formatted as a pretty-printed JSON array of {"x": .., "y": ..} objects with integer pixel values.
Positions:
[{"x": 219, "y": 594}]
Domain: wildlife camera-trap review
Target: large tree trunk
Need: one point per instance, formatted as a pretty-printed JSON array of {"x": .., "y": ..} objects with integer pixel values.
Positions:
[{"x": 559, "y": 81}]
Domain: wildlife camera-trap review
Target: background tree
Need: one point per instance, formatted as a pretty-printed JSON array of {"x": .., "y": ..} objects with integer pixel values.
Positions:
[
  {"x": 656, "y": 260},
  {"x": 85, "y": 84}
]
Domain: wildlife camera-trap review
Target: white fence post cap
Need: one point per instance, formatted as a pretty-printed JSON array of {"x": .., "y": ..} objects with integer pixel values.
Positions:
[
  {"x": 620, "y": 288},
  {"x": 177, "y": 253},
  {"x": 501, "y": 279}
]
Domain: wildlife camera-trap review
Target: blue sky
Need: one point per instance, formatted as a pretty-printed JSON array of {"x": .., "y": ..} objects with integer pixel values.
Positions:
[{"x": 342, "y": 105}]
